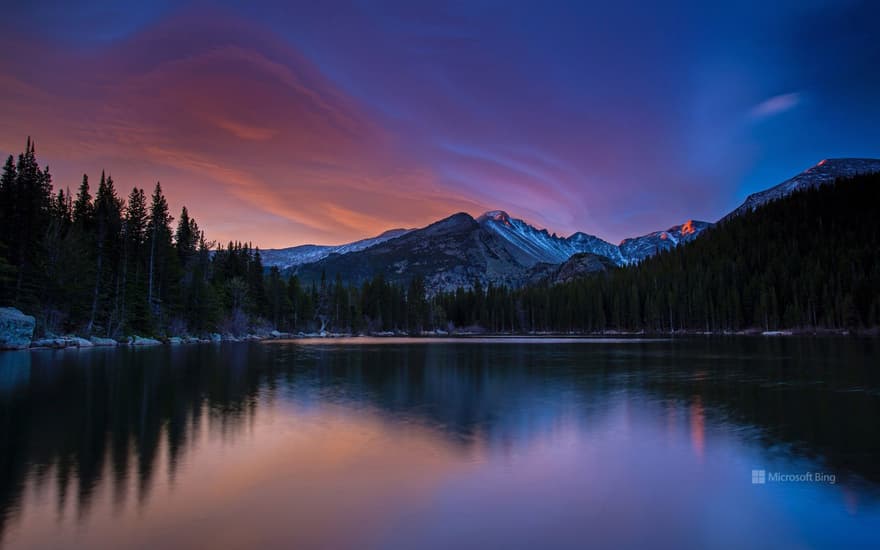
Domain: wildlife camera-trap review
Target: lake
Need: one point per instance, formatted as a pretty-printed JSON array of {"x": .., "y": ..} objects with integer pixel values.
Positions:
[{"x": 475, "y": 443}]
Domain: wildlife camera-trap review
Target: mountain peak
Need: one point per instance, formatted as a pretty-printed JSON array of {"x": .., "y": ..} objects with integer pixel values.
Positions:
[
  {"x": 843, "y": 165},
  {"x": 688, "y": 228},
  {"x": 460, "y": 221},
  {"x": 499, "y": 216}
]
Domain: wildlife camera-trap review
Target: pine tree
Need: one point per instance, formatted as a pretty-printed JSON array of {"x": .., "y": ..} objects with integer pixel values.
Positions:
[
  {"x": 159, "y": 238},
  {"x": 83, "y": 210},
  {"x": 59, "y": 265},
  {"x": 134, "y": 309},
  {"x": 7, "y": 199},
  {"x": 31, "y": 200},
  {"x": 255, "y": 283},
  {"x": 8, "y": 207},
  {"x": 186, "y": 237},
  {"x": 278, "y": 301},
  {"x": 107, "y": 240}
]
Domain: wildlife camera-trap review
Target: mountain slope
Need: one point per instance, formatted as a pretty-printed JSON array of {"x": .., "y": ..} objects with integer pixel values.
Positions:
[
  {"x": 826, "y": 171},
  {"x": 451, "y": 253},
  {"x": 637, "y": 249},
  {"x": 530, "y": 245},
  {"x": 284, "y": 258}
]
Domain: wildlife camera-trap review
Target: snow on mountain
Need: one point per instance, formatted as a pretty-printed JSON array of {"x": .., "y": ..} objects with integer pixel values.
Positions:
[
  {"x": 284, "y": 258},
  {"x": 495, "y": 249},
  {"x": 520, "y": 242},
  {"x": 636, "y": 249},
  {"x": 296, "y": 255},
  {"x": 826, "y": 171},
  {"x": 530, "y": 245},
  {"x": 584, "y": 242}
]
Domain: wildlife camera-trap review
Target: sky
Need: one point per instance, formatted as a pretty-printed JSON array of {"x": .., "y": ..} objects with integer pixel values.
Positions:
[{"x": 284, "y": 123}]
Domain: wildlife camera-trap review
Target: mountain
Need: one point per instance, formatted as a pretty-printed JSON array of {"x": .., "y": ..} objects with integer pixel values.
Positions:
[
  {"x": 826, "y": 171},
  {"x": 451, "y": 253},
  {"x": 528, "y": 245},
  {"x": 531, "y": 246},
  {"x": 636, "y": 249},
  {"x": 499, "y": 249},
  {"x": 285, "y": 258},
  {"x": 493, "y": 248},
  {"x": 525, "y": 244}
]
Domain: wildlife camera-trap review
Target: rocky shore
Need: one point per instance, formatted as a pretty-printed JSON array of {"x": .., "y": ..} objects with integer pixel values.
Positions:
[
  {"x": 17, "y": 333},
  {"x": 69, "y": 341},
  {"x": 17, "y": 329}
]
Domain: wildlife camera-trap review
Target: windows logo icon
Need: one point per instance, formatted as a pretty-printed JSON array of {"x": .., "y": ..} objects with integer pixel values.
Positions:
[{"x": 759, "y": 477}]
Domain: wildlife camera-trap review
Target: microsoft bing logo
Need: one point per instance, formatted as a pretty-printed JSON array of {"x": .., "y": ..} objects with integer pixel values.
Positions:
[{"x": 763, "y": 477}]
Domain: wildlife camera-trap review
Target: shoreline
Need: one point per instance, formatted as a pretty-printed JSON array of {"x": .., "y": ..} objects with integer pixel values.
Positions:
[{"x": 76, "y": 342}]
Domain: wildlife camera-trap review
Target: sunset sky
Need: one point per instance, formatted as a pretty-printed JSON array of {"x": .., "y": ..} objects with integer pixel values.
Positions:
[{"x": 324, "y": 122}]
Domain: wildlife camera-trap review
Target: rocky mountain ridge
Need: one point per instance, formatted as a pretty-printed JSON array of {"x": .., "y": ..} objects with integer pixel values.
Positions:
[{"x": 496, "y": 248}]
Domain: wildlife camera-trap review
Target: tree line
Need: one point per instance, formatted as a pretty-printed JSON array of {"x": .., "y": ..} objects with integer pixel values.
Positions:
[
  {"x": 808, "y": 261},
  {"x": 94, "y": 263}
]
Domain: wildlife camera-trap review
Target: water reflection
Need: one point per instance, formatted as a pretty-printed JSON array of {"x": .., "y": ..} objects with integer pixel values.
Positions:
[{"x": 387, "y": 442}]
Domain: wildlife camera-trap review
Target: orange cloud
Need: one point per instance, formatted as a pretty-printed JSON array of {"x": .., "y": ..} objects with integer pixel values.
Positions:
[
  {"x": 251, "y": 133},
  {"x": 228, "y": 125}
]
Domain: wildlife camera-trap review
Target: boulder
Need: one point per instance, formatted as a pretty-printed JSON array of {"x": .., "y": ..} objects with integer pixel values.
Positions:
[
  {"x": 98, "y": 341},
  {"x": 55, "y": 343},
  {"x": 61, "y": 342},
  {"x": 175, "y": 340},
  {"x": 79, "y": 342},
  {"x": 140, "y": 341},
  {"x": 216, "y": 337},
  {"x": 16, "y": 329}
]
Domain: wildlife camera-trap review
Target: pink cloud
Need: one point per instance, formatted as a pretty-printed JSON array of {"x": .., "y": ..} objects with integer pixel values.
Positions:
[
  {"x": 262, "y": 146},
  {"x": 226, "y": 125}
]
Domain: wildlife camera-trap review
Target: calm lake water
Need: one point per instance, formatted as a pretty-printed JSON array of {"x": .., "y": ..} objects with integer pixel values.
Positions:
[{"x": 395, "y": 443}]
